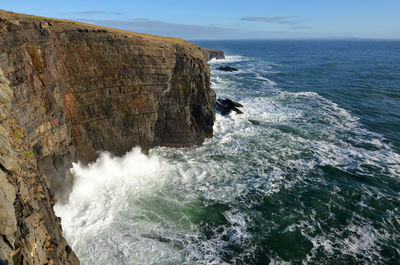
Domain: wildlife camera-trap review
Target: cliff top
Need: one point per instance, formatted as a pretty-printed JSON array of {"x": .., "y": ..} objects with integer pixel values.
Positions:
[{"x": 59, "y": 25}]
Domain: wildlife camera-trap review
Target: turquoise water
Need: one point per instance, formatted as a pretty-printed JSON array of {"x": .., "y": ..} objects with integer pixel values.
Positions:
[{"x": 310, "y": 174}]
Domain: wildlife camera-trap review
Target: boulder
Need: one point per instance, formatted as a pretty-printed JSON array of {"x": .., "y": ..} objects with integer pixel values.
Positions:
[
  {"x": 227, "y": 69},
  {"x": 225, "y": 106}
]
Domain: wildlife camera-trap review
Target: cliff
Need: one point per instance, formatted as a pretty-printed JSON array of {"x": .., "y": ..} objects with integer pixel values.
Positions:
[
  {"x": 217, "y": 54},
  {"x": 69, "y": 90},
  {"x": 31, "y": 233}
]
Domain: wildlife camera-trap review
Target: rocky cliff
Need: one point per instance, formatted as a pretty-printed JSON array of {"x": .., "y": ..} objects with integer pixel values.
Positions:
[
  {"x": 69, "y": 90},
  {"x": 30, "y": 231},
  {"x": 217, "y": 54}
]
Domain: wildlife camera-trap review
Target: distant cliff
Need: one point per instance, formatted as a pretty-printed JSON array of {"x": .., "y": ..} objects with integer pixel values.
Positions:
[
  {"x": 217, "y": 54},
  {"x": 69, "y": 90}
]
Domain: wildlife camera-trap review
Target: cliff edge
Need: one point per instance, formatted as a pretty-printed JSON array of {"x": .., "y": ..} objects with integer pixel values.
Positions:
[{"x": 69, "y": 90}]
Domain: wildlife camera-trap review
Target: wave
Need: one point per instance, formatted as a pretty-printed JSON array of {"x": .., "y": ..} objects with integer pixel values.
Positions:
[
  {"x": 268, "y": 81},
  {"x": 229, "y": 59}
]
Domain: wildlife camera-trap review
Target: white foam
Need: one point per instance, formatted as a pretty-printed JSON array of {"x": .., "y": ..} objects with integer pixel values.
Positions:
[
  {"x": 111, "y": 218},
  {"x": 106, "y": 181},
  {"x": 227, "y": 73},
  {"x": 100, "y": 193},
  {"x": 269, "y": 82},
  {"x": 229, "y": 59}
]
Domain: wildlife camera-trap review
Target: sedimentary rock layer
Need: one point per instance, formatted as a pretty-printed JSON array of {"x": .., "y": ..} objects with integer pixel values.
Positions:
[
  {"x": 30, "y": 232},
  {"x": 70, "y": 90}
]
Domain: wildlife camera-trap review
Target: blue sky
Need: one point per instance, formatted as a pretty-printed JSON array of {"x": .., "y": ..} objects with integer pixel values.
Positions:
[{"x": 231, "y": 19}]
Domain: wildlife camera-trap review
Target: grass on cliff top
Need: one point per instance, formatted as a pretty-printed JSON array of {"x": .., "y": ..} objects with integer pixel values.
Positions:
[{"x": 65, "y": 24}]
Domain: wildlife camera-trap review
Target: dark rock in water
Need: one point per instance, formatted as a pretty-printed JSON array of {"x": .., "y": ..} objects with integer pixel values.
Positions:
[
  {"x": 225, "y": 106},
  {"x": 217, "y": 54},
  {"x": 232, "y": 103},
  {"x": 227, "y": 69}
]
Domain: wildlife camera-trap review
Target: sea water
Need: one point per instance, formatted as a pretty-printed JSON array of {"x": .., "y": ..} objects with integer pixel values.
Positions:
[{"x": 309, "y": 174}]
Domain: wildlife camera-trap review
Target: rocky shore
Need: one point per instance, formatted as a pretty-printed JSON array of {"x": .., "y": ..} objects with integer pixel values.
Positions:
[{"x": 69, "y": 90}]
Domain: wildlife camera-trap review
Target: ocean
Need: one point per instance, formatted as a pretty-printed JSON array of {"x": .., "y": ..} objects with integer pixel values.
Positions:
[{"x": 309, "y": 174}]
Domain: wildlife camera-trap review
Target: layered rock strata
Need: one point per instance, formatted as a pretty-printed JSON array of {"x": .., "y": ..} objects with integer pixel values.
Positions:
[
  {"x": 30, "y": 231},
  {"x": 69, "y": 90}
]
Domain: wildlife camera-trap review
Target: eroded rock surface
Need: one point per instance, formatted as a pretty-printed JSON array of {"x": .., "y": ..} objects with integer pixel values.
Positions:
[
  {"x": 69, "y": 90},
  {"x": 30, "y": 231}
]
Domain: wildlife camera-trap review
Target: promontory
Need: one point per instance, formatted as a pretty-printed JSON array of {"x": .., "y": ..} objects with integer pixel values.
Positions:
[{"x": 70, "y": 90}]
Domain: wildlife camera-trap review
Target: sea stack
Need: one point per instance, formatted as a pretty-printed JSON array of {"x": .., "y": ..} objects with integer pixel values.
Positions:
[
  {"x": 217, "y": 54},
  {"x": 69, "y": 90}
]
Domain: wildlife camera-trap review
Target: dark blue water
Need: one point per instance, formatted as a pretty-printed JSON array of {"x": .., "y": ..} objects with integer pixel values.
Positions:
[
  {"x": 361, "y": 76},
  {"x": 309, "y": 174}
]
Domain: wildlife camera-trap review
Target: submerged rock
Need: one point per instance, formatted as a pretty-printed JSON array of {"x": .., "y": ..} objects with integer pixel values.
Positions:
[
  {"x": 227, "y": 69},
  {"x": 225, "y": 106}
]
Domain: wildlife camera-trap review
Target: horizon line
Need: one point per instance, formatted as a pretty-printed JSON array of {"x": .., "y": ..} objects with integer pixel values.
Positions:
[{"x": 310, "y": 38}]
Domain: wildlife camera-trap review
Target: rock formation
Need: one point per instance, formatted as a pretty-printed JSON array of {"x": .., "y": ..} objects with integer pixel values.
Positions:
[
  {"x": 217, "y": 54},
  {"x": 225, "y": 106},
  {"x": 30, "y": 231},
  {"x": 227, "y": 69},
  {"x": 69, "y": 90}
]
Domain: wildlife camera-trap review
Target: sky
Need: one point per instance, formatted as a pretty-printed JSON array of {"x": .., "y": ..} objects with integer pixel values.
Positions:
[{"x": 230, "y": 19}]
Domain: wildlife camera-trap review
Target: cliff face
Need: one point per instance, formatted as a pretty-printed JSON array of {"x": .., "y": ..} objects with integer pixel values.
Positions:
[
  {"x": 79, "y": 89},
  {"x": 70, "y": 90},
  {"x": 30, "y": 231}
]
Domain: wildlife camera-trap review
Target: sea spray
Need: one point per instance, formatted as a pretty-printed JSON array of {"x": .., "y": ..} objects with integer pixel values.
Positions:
[{"x": 101, "y": 190}]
